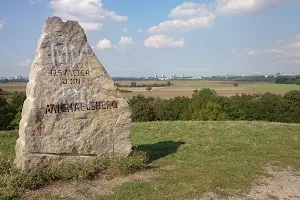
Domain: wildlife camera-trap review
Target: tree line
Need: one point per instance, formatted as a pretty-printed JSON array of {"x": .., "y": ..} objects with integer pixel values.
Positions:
[{"x": 206, "y": 105}]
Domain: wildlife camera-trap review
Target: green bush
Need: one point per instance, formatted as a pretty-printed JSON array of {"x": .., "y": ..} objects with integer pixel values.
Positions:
[
  {"x": 207, "y": 105},
  {"x": 10, "y": 112}
]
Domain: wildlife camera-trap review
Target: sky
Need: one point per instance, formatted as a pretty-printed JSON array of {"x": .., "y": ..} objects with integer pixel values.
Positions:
[{"x": 147, "y": 37}]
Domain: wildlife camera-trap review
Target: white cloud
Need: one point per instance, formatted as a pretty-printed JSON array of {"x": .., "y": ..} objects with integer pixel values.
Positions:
[
  {"x": 25, "y": 63},
  {"x": 104, "y": 44},
  {"x": 295, "y": 45},
  {"x": 2, "y": 22},
  {"x": 188, "y": 10},
  {"x": 186, "y": 17},
  {"x": 298, "y": 37},
  {"x": 125, "y": 30},
  {"x": 162, "y": 41},
  {"x": 291, "y": 51},
  {"x": 91, "y": 14},
  {"x": 243, "y": 6},
  {"x": 140, "y": 30},
  {"x": 265, "y": 52},
  {"x": 124, "y": 41}
]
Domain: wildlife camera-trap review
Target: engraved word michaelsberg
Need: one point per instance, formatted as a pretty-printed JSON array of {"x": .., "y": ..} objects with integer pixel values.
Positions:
[{"x": 74, "y": 107}]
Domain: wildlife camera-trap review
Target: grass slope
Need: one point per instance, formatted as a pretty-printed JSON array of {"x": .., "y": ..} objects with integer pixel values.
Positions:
[
  {"x": 272, "y": 87},
  {"x": 195, "y": 157},
  {"x": 192, "y": 158},
  {"x": 7, "y": 143}
]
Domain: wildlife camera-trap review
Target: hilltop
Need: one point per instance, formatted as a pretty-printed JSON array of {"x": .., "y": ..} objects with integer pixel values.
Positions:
[{"x": 191, "y": 159}]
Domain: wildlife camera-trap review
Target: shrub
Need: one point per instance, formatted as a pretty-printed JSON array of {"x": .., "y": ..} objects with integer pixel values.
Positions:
[
  {"x": 149, "y": 88},
  {"x": 142, "y": 112}
]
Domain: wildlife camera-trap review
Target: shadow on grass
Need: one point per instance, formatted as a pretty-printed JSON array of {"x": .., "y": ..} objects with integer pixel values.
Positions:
[{"x": 159, "y": 150}]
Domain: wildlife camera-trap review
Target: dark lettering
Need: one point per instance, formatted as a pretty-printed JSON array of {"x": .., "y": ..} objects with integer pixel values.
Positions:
[
  {"x": 103, "y": 105},
  {"x": 83, "y": 106},
  {"x": 87, "y": 72},
  {"x": 68, "y": 73},
  {"x": 98, "y": 105},
  {"x": 48, "y": 109},
  {"x": 77, "y": 81},
  {"x": 70, "y": 107},
  {"x": 88, "y": 106},
  {"x": 77, "y": 107},
  {"x": 93, "y": 106},
  {"x": 73, "y": 107},
  {"x": 108, "y": 104},
  {"x": 65, "y": 81},
  {"x": 77, "y": 73},
  {"x": 63, "y": 107},
  {"x": 114, "y": 104},
  {"x": 53, "y": 107},
  {"x": 59, "y": 72}
]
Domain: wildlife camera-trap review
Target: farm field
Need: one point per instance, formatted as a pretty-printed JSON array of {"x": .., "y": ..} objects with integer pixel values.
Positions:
[
  {"x": 189, "y": 159},
  {"x": 186, "y": 88},
  {"x": 274, "y": 88}
]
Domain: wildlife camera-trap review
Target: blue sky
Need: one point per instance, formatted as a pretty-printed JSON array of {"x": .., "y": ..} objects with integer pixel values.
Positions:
[{"x": 147, "y": 37}]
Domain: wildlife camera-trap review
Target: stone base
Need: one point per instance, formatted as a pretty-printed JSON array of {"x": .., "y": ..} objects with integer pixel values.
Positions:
[{"x": 37, "y": 162}]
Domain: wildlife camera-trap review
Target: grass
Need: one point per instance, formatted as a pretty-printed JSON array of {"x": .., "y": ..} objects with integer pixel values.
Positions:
[
  {"x": 7, "y": 143},
  {"x": 271, "y": 87},
  {"x": 13, "y": 182},
  {"x": 192, "y": 158},
  {"x": 196, "y": 157}
]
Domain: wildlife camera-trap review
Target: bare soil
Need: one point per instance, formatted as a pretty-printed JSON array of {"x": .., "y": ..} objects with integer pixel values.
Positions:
[
  {"x": 171, "y": 92},
  {"x": 78, "y": 190},
  {"x": 283, "y": 184}
]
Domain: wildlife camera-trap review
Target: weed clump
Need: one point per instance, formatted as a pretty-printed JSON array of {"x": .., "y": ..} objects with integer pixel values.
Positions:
[{"x": 13, "y": 182}]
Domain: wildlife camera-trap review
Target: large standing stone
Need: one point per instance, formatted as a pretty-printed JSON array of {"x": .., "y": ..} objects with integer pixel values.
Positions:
[{"x": 73, "y": 111}]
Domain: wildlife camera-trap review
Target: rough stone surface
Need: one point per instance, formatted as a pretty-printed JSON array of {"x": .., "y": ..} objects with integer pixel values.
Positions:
[{"x": 73, "y": 111}]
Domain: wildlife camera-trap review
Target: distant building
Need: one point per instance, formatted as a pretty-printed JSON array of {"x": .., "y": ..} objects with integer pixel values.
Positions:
[
  {"x": 155, "y": 76},
  {"x": 278, "y": 74},
  {"x": 19, "y": 77},
  {"x": 182, "y": 76},
  {"x": 162, "y": 76}
]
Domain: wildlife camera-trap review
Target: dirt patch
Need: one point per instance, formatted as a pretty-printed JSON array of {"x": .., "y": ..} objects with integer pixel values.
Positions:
[
  {"x": 171, "y": 92},
  {"x": 282, "y": 184},
  {"x": 78, "y": 190}
]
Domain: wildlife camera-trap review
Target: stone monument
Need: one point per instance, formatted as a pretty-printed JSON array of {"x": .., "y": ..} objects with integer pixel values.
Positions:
[{"x": 72, "y": 111}]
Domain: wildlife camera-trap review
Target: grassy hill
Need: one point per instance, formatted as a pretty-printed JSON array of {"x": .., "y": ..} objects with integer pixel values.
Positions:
[{"x": 192, "y": 158}]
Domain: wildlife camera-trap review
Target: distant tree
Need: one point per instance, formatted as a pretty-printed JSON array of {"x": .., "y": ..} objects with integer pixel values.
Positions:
[
  {"x": 169, "y": 83},
  {"x": 17, "y": 100},
  {"x": 297, "y": 82},
  {"x": 235, "y": 84},
  {"x": 117, "y": 85},
  {"x": 149, "y": 88},
  {"x": 133, "y": 84},
  {"x": 1, "y": 91}
]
